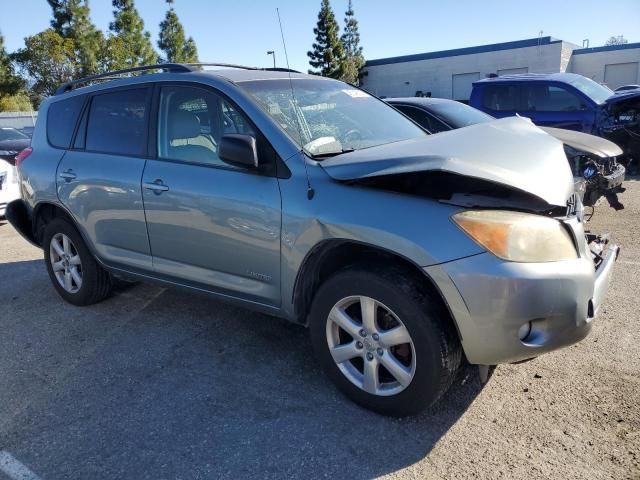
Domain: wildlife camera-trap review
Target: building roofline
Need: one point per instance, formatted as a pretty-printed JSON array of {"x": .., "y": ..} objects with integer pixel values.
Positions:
[
  {"x": 606, "y": 48},
  {"x": 494, "y": 47}
]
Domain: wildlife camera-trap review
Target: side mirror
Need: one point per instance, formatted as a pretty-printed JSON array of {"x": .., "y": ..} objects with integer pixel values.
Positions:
[{"x": 238, "y": 150}]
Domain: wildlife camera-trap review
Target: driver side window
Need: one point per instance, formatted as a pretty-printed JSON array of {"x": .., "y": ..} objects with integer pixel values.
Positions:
[{"x": 191, "y": 124}]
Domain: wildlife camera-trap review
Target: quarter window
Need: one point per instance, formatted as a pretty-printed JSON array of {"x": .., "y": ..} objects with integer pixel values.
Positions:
[
  {"x": 192, "y": 122},
  {"x": 118, "y": 122},
  {"x": 61, "y": 120}
]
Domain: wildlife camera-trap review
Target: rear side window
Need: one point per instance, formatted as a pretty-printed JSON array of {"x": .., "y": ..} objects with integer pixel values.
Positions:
[
  {"x": 118, "y": 122},
  {"x": 423, "y": 119},
  {"x": 501, "y": 98},
  {"x": 61, "y": 120}
]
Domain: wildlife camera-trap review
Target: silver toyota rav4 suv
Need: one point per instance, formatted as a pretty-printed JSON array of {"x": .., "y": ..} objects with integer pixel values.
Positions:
[{"x": 406, "y": 254}]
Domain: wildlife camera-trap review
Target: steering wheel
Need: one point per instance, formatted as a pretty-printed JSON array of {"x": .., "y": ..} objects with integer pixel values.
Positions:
[{"x": 351, "y": 136}]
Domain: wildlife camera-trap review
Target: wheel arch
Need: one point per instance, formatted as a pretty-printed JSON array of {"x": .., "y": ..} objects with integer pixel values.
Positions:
[{"x": 331, "y": 256}]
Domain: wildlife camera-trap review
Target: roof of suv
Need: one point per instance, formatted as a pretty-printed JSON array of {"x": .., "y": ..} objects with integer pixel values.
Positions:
[
  {"x": 232, "y": 73},
  {"x": 530, "y": 77}
]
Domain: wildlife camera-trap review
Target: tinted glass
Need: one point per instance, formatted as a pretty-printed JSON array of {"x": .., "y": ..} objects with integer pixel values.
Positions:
[
  {"x": 192, "y": 122},
  {"x": 423, "y": 119},
  {"x": 327, "y": 117},
  {"x": 7, "y": 133},
  {"x": 118, "y": 123},
  {"x": 549, "y": 98},
  {"x": 501, "y": 98},
  {"x": 458, "y": 114},
  {"x": 61, "y": 120}
]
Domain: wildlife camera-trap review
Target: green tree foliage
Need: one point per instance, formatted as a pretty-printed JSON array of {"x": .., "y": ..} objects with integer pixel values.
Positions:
[
  {"x": 71, "y": 20},
  {"x": 133, "y": 42},
  {"x": 10, "y": 83},
  {"x": 327, "y": 50},
  {"x": 18, "y": 102},
  {"x": 172, "y": 40},
  {"x": 619, "y": 40},
  {"x": 353, "y": 59},
  {"x": 48, "y": 60}
]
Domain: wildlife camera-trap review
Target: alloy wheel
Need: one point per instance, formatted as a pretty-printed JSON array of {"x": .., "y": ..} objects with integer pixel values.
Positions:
[
  {"x": 370, "y": 345},
  {"x": 66, "y": 263}
]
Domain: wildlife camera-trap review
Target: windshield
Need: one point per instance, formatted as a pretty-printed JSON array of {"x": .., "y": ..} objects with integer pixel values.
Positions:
[
  {"x": 596, "y": 92},
  {"x": 329, "y": 117},
  {"x": 11, "y": 134},
  {"x": 458, "y": 114}
]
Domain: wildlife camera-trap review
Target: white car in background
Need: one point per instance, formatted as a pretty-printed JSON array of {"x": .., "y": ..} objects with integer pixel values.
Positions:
[
  {"x": 9, "y": 190},
  {"x": 12, "y": 142}
]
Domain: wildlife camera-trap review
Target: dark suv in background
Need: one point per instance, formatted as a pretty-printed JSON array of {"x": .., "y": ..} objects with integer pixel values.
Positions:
[{"x": 565, "y": 100}]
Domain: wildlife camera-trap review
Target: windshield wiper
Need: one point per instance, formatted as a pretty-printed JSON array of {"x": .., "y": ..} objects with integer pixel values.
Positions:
[{"x": 319, "y": 156}]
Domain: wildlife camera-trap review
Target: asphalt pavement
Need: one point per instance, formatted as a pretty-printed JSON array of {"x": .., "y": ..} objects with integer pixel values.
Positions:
[{"x": 159, "y": 384}]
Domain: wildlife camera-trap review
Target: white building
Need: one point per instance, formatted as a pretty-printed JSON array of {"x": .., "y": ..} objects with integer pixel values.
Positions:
[{"x": 450, "y": 73}]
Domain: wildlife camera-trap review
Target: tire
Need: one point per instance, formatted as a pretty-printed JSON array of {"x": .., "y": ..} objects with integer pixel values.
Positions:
[
  {"x": 435, "y": 352},
  {"x": 95, "y": 282}
]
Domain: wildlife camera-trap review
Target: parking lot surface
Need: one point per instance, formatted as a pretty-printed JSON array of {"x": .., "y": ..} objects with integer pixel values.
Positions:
[{"x": 155, "y": 383}]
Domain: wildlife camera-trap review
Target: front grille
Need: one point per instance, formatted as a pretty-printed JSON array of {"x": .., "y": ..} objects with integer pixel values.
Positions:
[{"x": 3, "y": 178}]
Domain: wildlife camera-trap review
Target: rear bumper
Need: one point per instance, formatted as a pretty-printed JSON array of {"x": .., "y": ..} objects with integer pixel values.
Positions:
[
  {"x": 18, "y": 216},
  {"x": 495, "y": 303}
]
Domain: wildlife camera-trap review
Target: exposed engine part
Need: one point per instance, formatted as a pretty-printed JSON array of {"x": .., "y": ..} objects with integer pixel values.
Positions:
[
  {"x": 603, "y": 177},
  {"x": 621, "y": 125}
]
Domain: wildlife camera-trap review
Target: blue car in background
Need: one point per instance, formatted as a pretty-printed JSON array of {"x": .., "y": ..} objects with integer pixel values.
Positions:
[{"x": 565, "y": 100}]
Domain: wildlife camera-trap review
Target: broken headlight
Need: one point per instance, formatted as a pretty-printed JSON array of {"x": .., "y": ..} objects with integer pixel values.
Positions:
[{"x": 516, "y": 236}]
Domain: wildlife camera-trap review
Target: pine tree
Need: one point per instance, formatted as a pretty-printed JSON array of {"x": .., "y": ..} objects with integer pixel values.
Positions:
[
  {"x": 353, "y": 60},
  {"x": 327, "y": 50},
  {"x": 128, "y": 27},
  {"x": 71, "y": 21},
  {"x": 172, "y": 40}
]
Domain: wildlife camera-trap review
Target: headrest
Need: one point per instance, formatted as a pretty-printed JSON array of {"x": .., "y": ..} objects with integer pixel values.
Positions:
[{"x": 183, "y": 125}]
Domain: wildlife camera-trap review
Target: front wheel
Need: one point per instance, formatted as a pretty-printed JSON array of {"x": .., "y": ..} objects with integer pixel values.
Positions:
[{"x": 385, "y": 341}]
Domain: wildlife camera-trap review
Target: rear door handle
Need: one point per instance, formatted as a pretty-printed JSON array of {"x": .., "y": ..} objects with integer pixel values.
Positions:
[
  {"x": 156, "y": 187},
  {"x": 68, "y": 175}
]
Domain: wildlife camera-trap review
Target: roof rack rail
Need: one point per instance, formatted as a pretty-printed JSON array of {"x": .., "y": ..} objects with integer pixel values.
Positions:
[
  {"x": 167, "y": 67},
  {"x": 193, "y": 66},
  {"x": 243, "y": 67}
]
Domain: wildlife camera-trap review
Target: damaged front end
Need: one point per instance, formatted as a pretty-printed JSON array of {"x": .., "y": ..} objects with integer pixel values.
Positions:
[
  {"x": 596, "y": 161},
  {"x": 620, "y": 123}
]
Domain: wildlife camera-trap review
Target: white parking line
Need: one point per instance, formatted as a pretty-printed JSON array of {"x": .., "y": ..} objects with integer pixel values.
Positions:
[{"x": 15, "y": 470}]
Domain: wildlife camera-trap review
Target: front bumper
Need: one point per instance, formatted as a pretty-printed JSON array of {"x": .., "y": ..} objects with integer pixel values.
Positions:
[{"x": 494, "y": 301}]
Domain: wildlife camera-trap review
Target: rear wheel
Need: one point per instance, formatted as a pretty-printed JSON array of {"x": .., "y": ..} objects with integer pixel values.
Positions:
[
  {"x": 75, "y": 274},
  {"x": 386, "y": 343}
]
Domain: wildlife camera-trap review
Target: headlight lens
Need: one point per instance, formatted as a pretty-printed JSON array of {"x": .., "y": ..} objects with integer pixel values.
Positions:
[{"x": 516, "y": 236}]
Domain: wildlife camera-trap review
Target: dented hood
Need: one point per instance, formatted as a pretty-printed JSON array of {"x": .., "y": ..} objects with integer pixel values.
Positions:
[
  {"x": 620, "y": 97},
  {"x": 511, "y": 151},
  {"x": 601, "y": 147}
]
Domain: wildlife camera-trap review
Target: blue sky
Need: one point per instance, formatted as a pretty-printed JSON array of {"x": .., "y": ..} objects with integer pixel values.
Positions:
[{"x": 241, "y": 31}]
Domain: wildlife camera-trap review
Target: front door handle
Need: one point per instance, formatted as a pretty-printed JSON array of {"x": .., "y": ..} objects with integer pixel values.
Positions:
[
  {"x": 68, "y": 175},
  {"x": 156, "y": 187}
]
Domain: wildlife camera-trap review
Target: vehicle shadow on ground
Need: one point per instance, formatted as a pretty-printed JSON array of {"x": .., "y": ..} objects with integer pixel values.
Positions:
[{"x": 156, "y": 383}]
